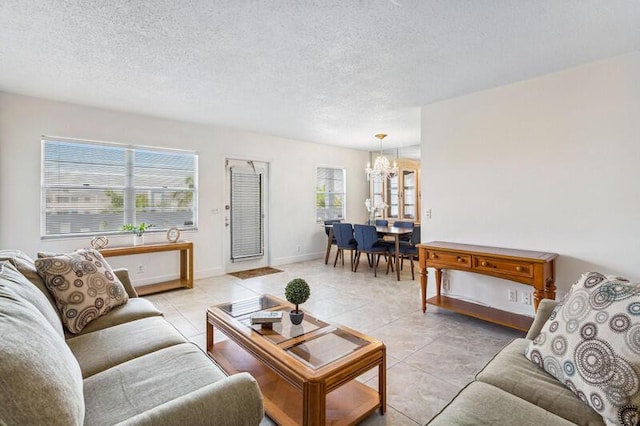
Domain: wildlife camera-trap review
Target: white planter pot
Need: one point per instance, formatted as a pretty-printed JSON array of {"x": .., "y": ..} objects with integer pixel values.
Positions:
[{"x": 138, "y": 240}]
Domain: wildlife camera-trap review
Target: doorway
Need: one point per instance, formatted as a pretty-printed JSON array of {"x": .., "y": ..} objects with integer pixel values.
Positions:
[{"x": 246, "y": 216}]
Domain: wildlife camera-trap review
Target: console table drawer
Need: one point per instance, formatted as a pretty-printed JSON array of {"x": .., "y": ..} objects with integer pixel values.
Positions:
[
  {"x": 502, "y": 266},
  {"x": 449, "y": 259}
]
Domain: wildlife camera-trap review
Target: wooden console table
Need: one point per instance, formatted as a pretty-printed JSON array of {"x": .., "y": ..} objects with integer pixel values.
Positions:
[
  {"x": 533, "y": 268},
  {"x": 186, "y": 264}
]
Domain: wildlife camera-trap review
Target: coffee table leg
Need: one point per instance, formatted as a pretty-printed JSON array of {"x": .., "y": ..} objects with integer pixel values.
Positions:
[
  {"x": 209, "y": 336},
  {"x": 314, "y": 403}
]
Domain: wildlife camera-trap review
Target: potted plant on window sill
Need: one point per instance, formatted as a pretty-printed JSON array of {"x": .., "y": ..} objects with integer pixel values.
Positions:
[
  {"x": 297, "y": 292},
  {"x": 138, "y": 232}
]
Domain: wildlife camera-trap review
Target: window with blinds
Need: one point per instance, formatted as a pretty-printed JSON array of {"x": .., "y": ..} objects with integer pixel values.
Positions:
[
  {"x": 247, "y": 215},
  {"x": 330, "y": 193},
  {"x": 90, "y": 187}
]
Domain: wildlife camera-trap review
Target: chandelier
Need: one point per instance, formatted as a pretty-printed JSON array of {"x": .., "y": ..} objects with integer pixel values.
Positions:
[{"x": 382, "y": 169}]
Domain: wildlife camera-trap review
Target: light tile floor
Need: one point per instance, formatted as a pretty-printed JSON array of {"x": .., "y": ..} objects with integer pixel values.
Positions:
[{"x": 430, "y": 357}]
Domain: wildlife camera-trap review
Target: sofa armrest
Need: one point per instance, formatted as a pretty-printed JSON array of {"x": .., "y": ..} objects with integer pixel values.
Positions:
[
  {"x": 545, "y": 308},
  {"x": 233, "y": 401},
  {"x": 123, "y": 276}
]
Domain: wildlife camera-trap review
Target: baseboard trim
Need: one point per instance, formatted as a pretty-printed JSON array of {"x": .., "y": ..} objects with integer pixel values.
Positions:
[{"x": 295, "y": 259}]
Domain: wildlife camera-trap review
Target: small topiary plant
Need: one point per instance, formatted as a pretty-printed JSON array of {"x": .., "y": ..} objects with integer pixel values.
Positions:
[
  {"x": 297, "y": 292},
  {"x": 137, "y": 229}
]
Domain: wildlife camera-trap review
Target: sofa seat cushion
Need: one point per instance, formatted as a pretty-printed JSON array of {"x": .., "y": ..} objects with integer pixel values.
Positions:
[
  {"x": 483, "y": 404},
  {"x": 133, "y": 310},
  {"x": 40, "y": 380},
  {"x": 106, "y": 348},
  {"x": 512, "y": 372},
  {"x": 146, "y": 382}
]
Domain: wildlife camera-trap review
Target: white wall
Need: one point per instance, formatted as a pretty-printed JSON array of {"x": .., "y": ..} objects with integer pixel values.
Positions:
[
  {"x": 549, "y": 164},
  {"x": 292, "y": 180}
]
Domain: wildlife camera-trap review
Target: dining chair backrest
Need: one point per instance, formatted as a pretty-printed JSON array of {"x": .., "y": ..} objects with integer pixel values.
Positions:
[
  {"x": 330, "y": 222},
  {"x": 382, "y": 222},
  {"x": 415, "y": 235},
  {"x": 365, "y": 235},
  {"x": 403, "y": 224},
  {"x": 344, "y": 234}
]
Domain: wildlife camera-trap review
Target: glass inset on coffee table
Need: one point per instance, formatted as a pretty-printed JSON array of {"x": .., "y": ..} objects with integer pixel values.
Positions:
[{"x": 306, "y": 372}]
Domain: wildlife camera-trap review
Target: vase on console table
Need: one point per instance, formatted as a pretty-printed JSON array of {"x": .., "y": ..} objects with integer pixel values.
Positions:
[{"x": 138, "y": 240}]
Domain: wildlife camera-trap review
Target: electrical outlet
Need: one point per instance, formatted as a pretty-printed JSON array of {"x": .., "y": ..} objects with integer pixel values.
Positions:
[
  {"x": 140, "y": 269},
  {"x": 428, "y": 214},
  {"x": 513, "y": 295},
  {"x": 298, "y": 249},
  {"x": 526, "y": 298},
  {"x": 446, "y": 285}
]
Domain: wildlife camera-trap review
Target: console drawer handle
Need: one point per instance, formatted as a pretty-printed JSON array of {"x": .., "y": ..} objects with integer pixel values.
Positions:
[
  {"x": 484, "y": 263},
  {"x": 519, "y": 268},
  {"x": 460, "y": 259},
  {"x": 434, "y": 256}
]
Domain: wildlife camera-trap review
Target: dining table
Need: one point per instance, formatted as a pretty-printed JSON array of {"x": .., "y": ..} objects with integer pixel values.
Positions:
[
  {"x": 392, "y": 231},
  {"x": 396, "y": 233}
]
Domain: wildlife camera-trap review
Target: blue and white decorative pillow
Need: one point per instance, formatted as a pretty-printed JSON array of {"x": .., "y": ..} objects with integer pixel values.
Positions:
[{"x": 591, "y": 343}]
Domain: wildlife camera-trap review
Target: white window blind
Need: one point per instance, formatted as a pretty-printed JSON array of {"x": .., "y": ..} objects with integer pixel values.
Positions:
[
  {"x": 247, "y": 216},
  {"x": 90, "y": 187},
  {"x": 330, "y": 193}
]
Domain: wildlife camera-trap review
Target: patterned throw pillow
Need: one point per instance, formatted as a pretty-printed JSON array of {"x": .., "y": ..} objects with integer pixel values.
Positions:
[
  {"x": 591, "y": 343},
  {"x": 83, "y": 286}
]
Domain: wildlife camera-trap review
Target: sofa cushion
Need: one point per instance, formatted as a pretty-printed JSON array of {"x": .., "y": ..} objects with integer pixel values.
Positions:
[
  {"x": 591, "y": 343},
  {"x": 32, "y": 294},
  {"x": 510, "y": 371},
  {"x": 83, "y": 285},
  {"x": 103, "y": 349},
  {"x": 133, "y": 310},
  {"x": 40, "y": 380},
  {"x": 482, "y": 404},
  {"x": 146, "y": 382},
  {"x": 26, "y": 266}
]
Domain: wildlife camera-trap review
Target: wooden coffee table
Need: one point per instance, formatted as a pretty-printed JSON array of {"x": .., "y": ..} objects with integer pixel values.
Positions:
[{"x": 306, "y": 372}]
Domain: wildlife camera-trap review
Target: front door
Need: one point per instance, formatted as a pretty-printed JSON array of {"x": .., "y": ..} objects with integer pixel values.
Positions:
[{"x": 246, "y": 236}]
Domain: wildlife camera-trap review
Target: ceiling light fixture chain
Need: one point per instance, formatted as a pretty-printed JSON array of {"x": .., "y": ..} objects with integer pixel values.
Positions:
[{"x": 382, "y": 168}]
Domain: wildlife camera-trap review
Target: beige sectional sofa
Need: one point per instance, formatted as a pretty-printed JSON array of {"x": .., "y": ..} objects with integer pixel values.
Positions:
[
  {"x": 127, "y": 367},
  {"x": 511, "y": 390}
]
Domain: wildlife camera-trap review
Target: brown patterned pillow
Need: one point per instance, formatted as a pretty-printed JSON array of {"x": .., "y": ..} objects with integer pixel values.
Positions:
[{"x": 83, "y": 286}]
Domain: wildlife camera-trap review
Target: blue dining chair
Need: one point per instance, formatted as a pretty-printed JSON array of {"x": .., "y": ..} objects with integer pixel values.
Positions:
[
  {"x": 409, "y": 249},
  {"x": 343, "y": 233},
  {"x": 368, "y": 242},
  {"x": 333, "y": 238},
  {"x": 382, "y": 222},
  {"x": 404, "y": 224}
]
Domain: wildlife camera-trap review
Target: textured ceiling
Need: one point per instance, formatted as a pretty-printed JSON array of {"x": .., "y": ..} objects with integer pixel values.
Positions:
[{"x": 328, "y": 71}]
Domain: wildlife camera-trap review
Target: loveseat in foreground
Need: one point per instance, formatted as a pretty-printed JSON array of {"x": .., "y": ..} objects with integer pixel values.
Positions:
[
  {"x": 129, "y": 366},
  {"x": 511, "y": 390}
]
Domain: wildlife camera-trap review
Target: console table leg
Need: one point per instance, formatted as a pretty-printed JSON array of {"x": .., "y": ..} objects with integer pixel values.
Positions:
[
  {"x": 382, "y": 382},
  {"x": 423, "y": 287},
  {"x": 438, "y": 281}
]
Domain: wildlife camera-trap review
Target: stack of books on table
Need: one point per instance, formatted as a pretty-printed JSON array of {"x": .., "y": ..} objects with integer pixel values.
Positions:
[{"x": 266, "y": 317}]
